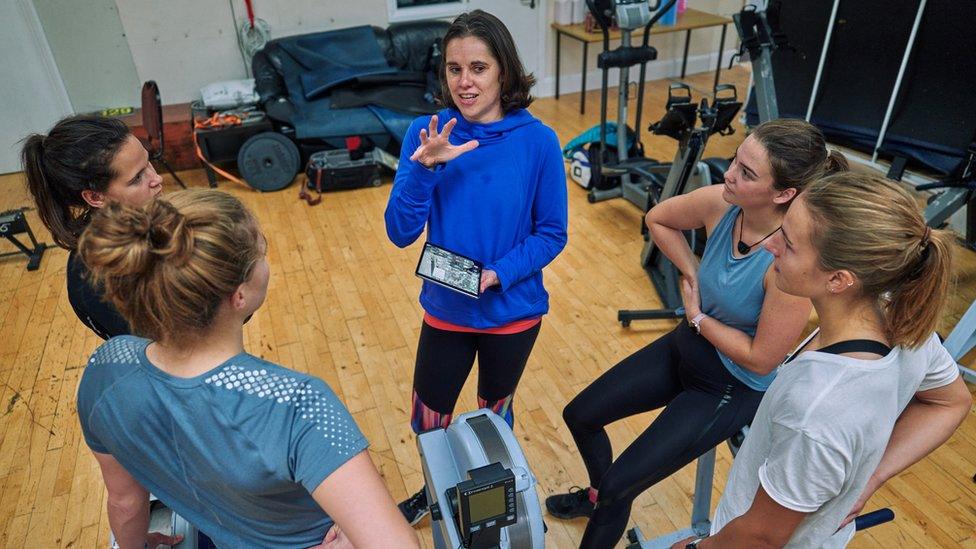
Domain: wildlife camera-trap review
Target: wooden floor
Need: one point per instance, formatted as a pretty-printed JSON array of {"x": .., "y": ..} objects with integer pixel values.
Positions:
[{"x": 343, "y": 305}]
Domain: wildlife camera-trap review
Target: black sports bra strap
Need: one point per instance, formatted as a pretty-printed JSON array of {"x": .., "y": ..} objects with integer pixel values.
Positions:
[{"x": 857, "y": 346}]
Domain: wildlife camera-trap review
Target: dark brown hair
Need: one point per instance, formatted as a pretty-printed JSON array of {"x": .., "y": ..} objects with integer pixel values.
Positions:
[
  {"x": 870, "y": 226},
  {"x": 515, "y": 84},
  {"x": 74, "y": 156},
  {"x": 797, "y": 153},
  {"x": 167, "y": 265}
]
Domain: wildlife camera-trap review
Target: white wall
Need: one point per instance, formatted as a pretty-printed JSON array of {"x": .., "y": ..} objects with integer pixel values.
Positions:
[
  {"x": 702, "y": 52},
  {"x": 33, "y": 100},
  {"x": 91, "y": 52},
  {"x": 186, "y": 44}
]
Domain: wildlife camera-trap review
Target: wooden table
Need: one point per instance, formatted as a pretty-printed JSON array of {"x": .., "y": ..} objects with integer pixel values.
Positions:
[{"x": 688, "y": 21}]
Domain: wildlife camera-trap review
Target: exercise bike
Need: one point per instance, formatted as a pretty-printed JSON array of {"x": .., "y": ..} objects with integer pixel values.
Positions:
[
  {"x": 680, "y": 123},
  {"x": 760, "y": 35},
  {"x": 627, "y": 173}
]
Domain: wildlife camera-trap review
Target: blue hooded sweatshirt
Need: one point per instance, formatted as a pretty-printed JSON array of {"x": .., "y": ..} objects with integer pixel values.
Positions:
[{"x": 503, "y": 204}]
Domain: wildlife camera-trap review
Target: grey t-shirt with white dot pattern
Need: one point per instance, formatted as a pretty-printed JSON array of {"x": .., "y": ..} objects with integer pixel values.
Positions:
[{"x": 235, "y": 451}]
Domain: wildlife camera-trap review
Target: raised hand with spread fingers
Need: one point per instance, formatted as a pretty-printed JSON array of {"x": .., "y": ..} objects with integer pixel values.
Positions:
[{"x": 436, "y": 148}]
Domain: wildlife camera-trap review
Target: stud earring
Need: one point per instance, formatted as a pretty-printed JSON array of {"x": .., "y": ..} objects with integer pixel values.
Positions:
[{"x": 834, "y": 291}]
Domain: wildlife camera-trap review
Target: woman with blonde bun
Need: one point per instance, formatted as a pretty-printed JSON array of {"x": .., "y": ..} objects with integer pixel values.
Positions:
[{"x": 252, "y": 453}]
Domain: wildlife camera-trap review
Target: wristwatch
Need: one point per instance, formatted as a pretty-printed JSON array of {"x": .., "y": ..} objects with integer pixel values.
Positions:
[
  {"x": 696, "y": 322},
  {"x": 693, "y": 544}
]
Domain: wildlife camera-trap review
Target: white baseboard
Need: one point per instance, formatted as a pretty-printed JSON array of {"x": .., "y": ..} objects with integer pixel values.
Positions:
[{"x": 656, "y": 70}]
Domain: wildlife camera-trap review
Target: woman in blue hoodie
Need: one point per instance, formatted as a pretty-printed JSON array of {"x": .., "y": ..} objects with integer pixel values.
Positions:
[{"x": 486, "y": 179}]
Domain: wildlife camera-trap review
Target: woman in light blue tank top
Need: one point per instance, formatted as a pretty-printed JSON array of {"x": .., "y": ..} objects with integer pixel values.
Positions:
[
  {"x": 710, "y": 372},
  {"x": 250, "y": 452}
]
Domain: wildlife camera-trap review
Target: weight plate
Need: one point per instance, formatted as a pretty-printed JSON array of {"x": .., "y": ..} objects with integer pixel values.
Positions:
[{"x": 268, "y": 161}]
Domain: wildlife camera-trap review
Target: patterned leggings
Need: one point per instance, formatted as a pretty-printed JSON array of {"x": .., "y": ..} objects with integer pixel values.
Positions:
[{"x": 444, "y": 360}]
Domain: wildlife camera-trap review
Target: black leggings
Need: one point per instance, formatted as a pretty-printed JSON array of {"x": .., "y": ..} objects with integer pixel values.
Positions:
[
  {"x": 444, "y": 360},
  {"x": 703, "y": 405}
]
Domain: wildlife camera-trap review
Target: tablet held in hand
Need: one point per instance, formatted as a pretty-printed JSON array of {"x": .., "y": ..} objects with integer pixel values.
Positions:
[{"x": 449, "y": 269}]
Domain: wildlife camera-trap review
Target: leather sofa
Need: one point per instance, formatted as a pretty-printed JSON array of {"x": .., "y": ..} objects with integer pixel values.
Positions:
[{"x": 319, "y": 88}]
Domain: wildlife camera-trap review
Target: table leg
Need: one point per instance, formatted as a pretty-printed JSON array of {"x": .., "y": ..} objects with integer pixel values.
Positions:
[
  {"x": 586, "y": 51},
  {"x": 684, "y": 60},
  {"x": 558, "y": 51},
  {"x": 211, "y": 176},
  {"x": 718, "y": 68}
]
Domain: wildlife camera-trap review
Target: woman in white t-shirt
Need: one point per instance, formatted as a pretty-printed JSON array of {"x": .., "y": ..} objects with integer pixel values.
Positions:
[{"x": 870, "y": 393}]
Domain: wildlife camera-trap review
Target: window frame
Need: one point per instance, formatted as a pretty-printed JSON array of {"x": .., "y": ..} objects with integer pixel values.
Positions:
[{"x": 416, "y": 13}]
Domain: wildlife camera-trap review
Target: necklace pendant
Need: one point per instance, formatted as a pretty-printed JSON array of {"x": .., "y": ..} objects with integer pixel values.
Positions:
[{"x": 743, "y": 247}]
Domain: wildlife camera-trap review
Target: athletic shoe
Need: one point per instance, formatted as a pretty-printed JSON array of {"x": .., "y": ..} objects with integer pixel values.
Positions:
[
  {"x": 415, "y": 507},
  {"x": 574, "y": 504}
]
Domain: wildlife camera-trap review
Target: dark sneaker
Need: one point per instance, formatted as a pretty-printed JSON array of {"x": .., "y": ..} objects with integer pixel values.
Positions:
[
  {"x": 415, "y": 507},
  {"x": 574, "y": 504}
]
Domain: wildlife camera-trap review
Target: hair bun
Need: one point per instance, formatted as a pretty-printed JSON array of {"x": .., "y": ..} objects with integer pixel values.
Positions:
[
  {"x": 170, "y": 265},
  {"x": 123, "y": 241},
  {"x": 168, "y": 235},
  {"x": 836, "y": 162}
]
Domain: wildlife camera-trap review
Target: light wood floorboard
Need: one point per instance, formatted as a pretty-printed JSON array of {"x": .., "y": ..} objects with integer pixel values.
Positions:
[{"x": 342, "y": 305}]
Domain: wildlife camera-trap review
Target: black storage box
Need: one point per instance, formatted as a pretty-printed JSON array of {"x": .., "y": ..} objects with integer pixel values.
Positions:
[{"x": 336, "y": 171}]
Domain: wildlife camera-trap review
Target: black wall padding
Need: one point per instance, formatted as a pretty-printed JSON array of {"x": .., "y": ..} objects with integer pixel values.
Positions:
[
  {"x": 935, "y": 116},
  {"x": 862, "y": 65},
  {"x": 805, "y": 26}
]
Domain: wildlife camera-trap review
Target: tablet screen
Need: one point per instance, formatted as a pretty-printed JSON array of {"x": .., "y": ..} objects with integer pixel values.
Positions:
[{"x": 451, "y": 270}]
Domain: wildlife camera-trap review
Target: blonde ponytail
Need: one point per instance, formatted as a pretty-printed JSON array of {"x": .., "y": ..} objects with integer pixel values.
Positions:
[{"x": 870, "y": 226}]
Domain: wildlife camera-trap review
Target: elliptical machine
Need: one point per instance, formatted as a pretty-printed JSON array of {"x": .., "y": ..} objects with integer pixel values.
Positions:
[
  {"x": 630, "y": 175},
  {"x": 643, "y": 181}
]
